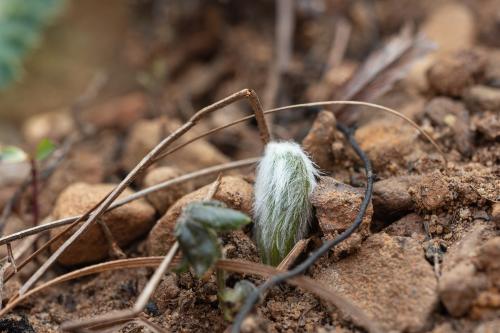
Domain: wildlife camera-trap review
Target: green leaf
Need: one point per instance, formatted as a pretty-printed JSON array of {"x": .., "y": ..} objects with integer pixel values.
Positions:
[
  {"x": 199, "y": 245},
  {"x": 21, "y": 27},
  {"x": 44, "y": 149},
  {"x": 213, "y": 214},
  {"x": 12, "y": 154},
  {"x": 196, "y": 231}
]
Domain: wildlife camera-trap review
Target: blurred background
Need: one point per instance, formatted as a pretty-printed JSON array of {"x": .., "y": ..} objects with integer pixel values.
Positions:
[{"x": 187, "y": 54}]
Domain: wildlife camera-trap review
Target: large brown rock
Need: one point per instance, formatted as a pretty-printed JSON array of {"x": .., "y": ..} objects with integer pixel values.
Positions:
[
  {"x": 235, "y": 192},
  {"x": 445, "y": 112},
  {"x": 337, "y": 205},
  {"x": 126, "y": 223},
  {"x": 432, "y": 192},
  {"x": 389, "y": 279},
  {"x": 452, "y": 74},
  {"x": 387, "y": 145},
  {"x": 90, "y": 161},
  {"x": 459, "y": 287},
  {"x": 165, "y": 198},
  {"x": 466, "y": 266},
  {"x": 391, "y": 198},
  {"x": 318, "y": 142},
  {"x": 483, "y": 98}
]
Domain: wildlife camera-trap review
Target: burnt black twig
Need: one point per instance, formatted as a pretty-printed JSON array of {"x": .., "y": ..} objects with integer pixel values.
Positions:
[{"x": 302, "y": 267}]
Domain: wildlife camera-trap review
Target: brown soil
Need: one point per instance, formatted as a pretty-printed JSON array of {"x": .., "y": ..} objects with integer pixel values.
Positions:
[{"x": 426, "y": 259}]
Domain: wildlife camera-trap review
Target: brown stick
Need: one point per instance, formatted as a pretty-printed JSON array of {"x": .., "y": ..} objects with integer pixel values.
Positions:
[
  {"x": 140, "y": 303},
  {"x": 139, "y": 194},
  {"x": 237, "y": 266},
  {"x": 144, "y": 164},
  {"x": 151, "y": 286}
]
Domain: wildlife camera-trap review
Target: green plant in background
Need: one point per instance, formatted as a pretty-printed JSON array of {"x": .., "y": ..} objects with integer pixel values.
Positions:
[
  {"x": 21, "y": 26},
  {"x": 15, "y": 163},
  {"x": 13, "y": 154}
]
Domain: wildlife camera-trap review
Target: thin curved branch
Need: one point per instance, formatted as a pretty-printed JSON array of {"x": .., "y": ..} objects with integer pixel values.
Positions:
[{"x": 137, "y": 195}]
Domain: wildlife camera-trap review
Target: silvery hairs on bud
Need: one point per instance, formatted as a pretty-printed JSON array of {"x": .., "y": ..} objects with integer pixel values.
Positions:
[{"x": 285, "y": 179}]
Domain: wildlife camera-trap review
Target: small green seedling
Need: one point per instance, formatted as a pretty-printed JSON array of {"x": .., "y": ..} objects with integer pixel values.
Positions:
[
  {"x": 12, "y": 154},
  {"x": 44, "y": 148},
  {"x": 196, "y": 231},
  {"x": 233, "y": 298}
]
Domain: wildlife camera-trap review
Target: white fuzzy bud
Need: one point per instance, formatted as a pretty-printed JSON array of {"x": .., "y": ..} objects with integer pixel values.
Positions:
[{"x": 285, "y": 180}]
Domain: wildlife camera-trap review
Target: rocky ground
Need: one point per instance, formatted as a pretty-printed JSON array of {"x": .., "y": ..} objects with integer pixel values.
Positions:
[{"x": 427, "y": 255}]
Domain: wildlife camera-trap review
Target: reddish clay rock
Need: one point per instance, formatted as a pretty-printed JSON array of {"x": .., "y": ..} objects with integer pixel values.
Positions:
[
  {"x": 411, "y": 225},
  {"x": 146, "y": 134},
  {"x": 126, "y": 223},
  {"x": 388, "y": 278},
  {"x": 483, "y": 98},
  {"x": 391, "y": 198},
  {"x": 445, "y": 112},
  {"x": 318, "y": 142},
  {"x": 337, "y": 205},
  {"x": 89, "y": 162},
  {"x": 432, "y": 192},
  {"x": 465, "y": 270},
  {"x": 459, "y": 287},
  {"x": 233, "y": 191},
  {"x": 487, "y": 303},
  {"x": 488, "y": 124},
  {"x": 452, "y": 74},
  {"x": 165, "y": 198},
  {"x": 448, "y": 37},
  {"x": 167, "y": 292},
  {"x": 387, "y": 144}
]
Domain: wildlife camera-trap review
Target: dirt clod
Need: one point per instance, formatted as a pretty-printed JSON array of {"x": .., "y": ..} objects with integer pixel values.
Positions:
[
  {"x": 451, "y": 75},
  {"x": 447, "y": 113},
  {"x": 482, "y": 98},
  {"x": 118, "y": 113},
  {"x": 165, "y": 198},
  {"x": 126, "y": 223},
  {"x": 488, "y": 124},
  {"x": 319, "y": 140},
  {"x": 464, "y": 274},
  {"x": 388, "y": 278},
  {"x": 337, "y": 205},
  {"x": 387, "y": 145},
  {"x": 431, "y": 192},
  {"x": 391, "y": 198},
  {"x": 233, "y": 191}
]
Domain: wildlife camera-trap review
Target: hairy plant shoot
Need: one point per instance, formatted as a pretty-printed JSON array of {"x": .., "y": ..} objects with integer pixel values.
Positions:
[{"x": 285, "y": 180}]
